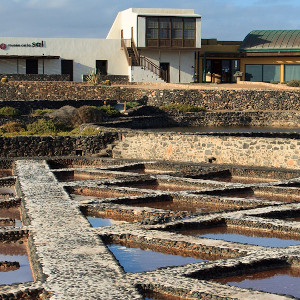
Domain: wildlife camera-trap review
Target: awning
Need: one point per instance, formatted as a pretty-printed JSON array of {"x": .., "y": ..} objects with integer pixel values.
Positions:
[{"x": 29, "y": 57}]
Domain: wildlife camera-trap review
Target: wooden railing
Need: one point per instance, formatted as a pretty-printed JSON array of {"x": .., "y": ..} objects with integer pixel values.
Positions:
[
  {"x": 149, "y": 65},
  {"x": 133, "y": 46}
]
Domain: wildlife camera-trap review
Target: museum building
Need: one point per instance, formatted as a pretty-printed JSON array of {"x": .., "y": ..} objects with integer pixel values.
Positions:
[
  {"x": 156, "y": 45},
  {"x": 152, "y": 45}
]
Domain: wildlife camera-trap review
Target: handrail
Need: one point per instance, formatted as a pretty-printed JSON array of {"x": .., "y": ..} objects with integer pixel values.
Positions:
[
  {"x": 148, "y": 64},
  {"x": 123, "y": 45},
  {"x": 133, "y": 46}
]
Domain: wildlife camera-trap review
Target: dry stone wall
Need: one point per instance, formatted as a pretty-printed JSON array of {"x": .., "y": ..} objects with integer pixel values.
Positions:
[
  {"x": 214, "y": 99},
  {"x": 31, "y": 146},
  {"x": 265, "y": 150}
]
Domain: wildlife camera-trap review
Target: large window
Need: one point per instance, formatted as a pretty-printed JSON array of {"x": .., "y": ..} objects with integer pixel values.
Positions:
[
  {"x": 291, "y": 72},
  {"x": 170, "y": 32},
  {"x": 263, "y": 73}
]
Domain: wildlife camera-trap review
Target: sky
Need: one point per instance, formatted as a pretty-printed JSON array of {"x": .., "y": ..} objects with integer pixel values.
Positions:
[{"x": 221, "y": 19}]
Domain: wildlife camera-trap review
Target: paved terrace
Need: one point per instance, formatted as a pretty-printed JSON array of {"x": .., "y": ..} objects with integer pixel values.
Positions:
[{"x": 75, "y": 261}]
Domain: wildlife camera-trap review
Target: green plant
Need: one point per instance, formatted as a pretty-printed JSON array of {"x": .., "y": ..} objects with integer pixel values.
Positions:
[
  {"x": 12, "y": 127},
  {"x": 4, "y": 79},
  {"x": 109, "y": 110},
  {"x": 42, "y": 112},
  {"x": 42, "y": 127},
  {"x": 182, "y": 108},
  {"x": 107, "y": 82},
  {"x": 9, "y": 111},
  {"x": 132, "y": 104},
  {"x": 94, "y": 77},
  {"x": 294, "y": 83}
]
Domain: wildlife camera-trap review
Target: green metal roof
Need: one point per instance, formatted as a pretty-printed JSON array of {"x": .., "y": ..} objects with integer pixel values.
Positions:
[{"x": 271, "y": 41}]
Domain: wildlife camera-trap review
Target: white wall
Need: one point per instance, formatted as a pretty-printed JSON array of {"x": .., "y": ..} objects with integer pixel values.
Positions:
[
  {"x": 83, "y": 52},
  {"x": 181, "y": 63},
  {"x": 198, "y": 33},
  {"x": 141, "y": 39}
]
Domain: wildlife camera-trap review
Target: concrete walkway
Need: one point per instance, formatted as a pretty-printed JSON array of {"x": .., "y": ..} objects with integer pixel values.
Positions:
[{"x": 76, "y": 262}]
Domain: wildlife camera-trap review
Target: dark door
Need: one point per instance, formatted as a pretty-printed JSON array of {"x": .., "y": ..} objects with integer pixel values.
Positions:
[
  {"x": 67, "y": 67},
  {"x": 226, "y": 71},
  {"x": 32, "y": 66},
  {"x": 165, "y": 73},
  {"x": 101, "y": 67}
]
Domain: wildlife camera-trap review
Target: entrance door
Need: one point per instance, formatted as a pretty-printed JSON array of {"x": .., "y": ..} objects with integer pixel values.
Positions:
[
  {"x": 67, "y": 67},
  {"x": 32, "y": 66},
  {"x": 166, "y": 67},
  {"x": 226, "y": 71},
  {"x": 216, "y": 67}
]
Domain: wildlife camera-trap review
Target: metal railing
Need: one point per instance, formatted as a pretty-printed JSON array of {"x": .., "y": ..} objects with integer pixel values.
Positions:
[{"x": 149, "y": 65}]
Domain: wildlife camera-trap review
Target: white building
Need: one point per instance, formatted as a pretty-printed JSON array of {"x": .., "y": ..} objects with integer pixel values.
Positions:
[{"x": 147, "y": 45}]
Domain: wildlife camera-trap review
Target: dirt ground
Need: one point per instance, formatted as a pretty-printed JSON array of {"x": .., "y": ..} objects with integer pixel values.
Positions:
[{"x": 209, "y": 86}]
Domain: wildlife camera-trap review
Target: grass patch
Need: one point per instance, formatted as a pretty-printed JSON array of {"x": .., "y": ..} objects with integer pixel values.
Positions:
[
  {"x": 132, "y": 104},
  {"x": 182, "y": 108},
  {"x": 42, "y": 112},
  {"x": 109, "y": 110},
  {"x": 8, "y": 111},
  {"x": 294, "y": 83}
]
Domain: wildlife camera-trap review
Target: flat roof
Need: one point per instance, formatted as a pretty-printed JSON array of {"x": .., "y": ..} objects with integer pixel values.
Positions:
[
  {"x": 29, "y": 56},
  {"x": 271, "y": 41}
]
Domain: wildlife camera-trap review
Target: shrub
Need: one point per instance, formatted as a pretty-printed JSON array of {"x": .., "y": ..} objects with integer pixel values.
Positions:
[
  {"x": 87, "y": 114},
  {"x": 9, "y": 111},
  {"x": 93, "y": 77},
  {"x": 107, "y": 82},
  {"x": 182, "y": 108},
  {"x": 4, "y": 79},
  {"x": 294, "y": 83},
  {"x": 12, "y": 127},
  {"x": 109, "y": 110},
  {"x": 42, "y": 127},
  {"x": 42, "y": 112},
  {"x": 132, "y": 104}
]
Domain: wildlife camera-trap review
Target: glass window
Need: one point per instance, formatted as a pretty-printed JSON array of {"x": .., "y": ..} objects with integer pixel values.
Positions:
[
  {"x": 271, "y": 73},
  {"x": 291, "y": 72},
  {"x": 152, "y": 28},
  {"x": 189, "y": 29},
  {"x": 177, "y": 28},
  {"x": 164, "y": 28},
  {"x": 253, "y": 73}
]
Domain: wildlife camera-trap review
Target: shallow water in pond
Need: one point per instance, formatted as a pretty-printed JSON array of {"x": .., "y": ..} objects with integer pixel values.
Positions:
[
  {"x": 10, "y": 213},
  {"x": 279, "y": 281},
  {"x": 244, "y": 236},
  {"x": 15, "y": 253},
  {"x": 263, "y": 196},
  {"x": 5, "y": 173},
  {"x": 7, "y": 191},
  {"x": 102, "y": 222},
  {"x": 166, "y": 187},
  {"x": 178, "y": 206},
  {"x": 136, "y": 260},
  {"x": 227, "y": 129}
]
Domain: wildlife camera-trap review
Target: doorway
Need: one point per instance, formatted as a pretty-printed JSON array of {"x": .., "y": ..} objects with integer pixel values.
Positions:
[
  {"x": 32, "y": 66},
  {"x": 166, "y": 68},
  {"x": 101, "y": 67},
  {"x": 67, "y": 67}
]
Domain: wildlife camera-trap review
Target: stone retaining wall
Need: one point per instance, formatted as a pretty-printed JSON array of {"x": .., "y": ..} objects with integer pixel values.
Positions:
[
  {"x": 265, "y": 150},
  {"x": 214, "y": 99},
  {"x": 36, "y": 77},
  {"x": 31, "y": 146}
]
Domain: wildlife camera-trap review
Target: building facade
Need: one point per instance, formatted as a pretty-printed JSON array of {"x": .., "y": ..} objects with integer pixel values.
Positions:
[{"x": 144, "y": 44}]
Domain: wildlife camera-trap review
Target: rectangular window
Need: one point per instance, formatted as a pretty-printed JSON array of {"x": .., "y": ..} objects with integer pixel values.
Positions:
[
  {"x": 152, "y": 28},
  {"x": 271, "y": 73},
  {"x": 164, "y": 28},
  {"x": 101, "y": 67},
  {"x": 177, "y": 28},
  {"x": 253, "y": 73},
  {"x": 291, "y": 72},
  {"x": 189, "y": 29}
]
